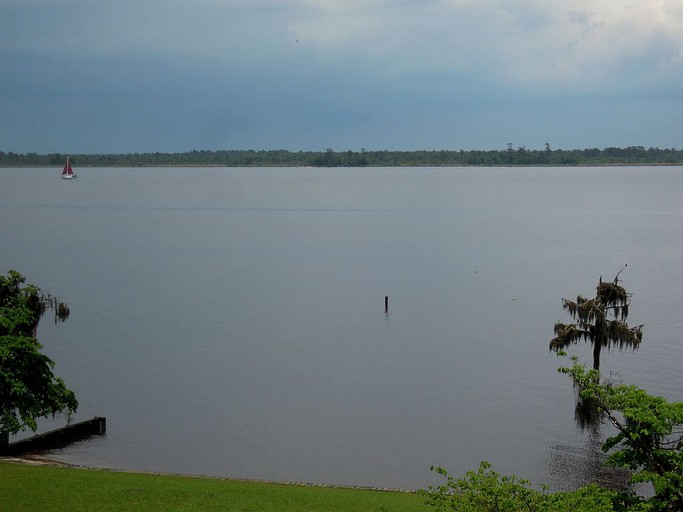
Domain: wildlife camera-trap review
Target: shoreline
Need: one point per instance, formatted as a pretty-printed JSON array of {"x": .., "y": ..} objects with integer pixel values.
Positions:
[
  {"x": 39, "y": 460},
  {"x": 408, "y": 166}
]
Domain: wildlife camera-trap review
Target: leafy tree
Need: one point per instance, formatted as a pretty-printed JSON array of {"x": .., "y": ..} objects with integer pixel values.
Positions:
[
  {"x": 600, "y": 320},
  {"x": 488, "y": 491},
  {"x": 28, "y": 388},
  {"x": 648, "y": 440}
]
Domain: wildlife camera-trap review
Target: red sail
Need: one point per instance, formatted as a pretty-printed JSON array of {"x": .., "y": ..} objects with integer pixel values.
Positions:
[{"x": 67, "y": 168}]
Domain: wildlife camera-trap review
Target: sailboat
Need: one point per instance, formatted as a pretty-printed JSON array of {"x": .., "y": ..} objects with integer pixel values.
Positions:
[{"x": 68, "y": 172}]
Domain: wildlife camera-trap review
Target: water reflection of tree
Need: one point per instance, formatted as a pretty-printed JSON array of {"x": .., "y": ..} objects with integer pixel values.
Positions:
[
  {"x": 569, "y": 467},
  {"x": 588, "y": 416}
]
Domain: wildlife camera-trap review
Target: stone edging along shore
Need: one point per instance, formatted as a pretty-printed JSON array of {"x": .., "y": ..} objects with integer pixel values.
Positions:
[{"x": 37, "y": 460}]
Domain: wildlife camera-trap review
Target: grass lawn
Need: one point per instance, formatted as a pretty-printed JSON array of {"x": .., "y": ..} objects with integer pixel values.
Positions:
[{"x": 40, "y": 488}]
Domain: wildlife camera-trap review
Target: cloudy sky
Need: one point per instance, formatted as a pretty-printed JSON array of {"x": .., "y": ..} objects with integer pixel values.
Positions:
[{"x": 96, "y": 76}]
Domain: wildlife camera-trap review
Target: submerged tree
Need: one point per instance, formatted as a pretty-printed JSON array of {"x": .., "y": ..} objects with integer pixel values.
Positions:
[
  {"x": 28, "y": 388},
  {"x": 600, "y": 320}
]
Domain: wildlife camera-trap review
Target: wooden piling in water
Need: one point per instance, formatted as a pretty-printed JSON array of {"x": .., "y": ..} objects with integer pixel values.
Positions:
[{"x": 386, "y": 303}]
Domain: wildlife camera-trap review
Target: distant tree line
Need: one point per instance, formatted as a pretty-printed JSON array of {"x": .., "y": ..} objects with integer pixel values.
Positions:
[{"x": 521, "y": 156}]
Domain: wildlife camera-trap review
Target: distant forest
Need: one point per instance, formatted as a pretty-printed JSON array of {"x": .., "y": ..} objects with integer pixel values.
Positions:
[{"x": 632, "y": 155}]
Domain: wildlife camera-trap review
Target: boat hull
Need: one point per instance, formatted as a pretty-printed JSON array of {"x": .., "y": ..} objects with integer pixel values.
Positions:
[{"x": 69, "y": 177}]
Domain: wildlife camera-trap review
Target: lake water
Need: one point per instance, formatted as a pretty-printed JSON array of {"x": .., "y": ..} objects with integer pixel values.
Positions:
[{"x": 231, "y": 322}]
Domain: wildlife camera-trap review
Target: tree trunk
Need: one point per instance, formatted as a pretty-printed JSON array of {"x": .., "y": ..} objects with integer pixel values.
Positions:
[{"x": 597, "y": 348}]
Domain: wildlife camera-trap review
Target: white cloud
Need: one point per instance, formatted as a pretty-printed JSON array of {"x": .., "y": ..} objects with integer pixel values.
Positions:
[{"x": 580, "y": 44}]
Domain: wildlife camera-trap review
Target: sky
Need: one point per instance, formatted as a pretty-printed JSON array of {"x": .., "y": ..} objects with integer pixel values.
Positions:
[{"x": 127, "y": 76}]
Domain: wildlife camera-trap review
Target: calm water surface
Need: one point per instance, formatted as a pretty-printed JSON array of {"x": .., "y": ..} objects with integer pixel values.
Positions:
[{"x": 231, "y": 322}]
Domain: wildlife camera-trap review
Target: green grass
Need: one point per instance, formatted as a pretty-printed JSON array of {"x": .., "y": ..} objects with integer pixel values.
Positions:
[{"x": 46, "y": 489}]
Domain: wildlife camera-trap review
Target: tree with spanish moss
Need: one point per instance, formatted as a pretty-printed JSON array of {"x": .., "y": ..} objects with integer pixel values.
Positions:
[
  {"x": 28, "y": 388},
  {"x": 600, "y": 320}
]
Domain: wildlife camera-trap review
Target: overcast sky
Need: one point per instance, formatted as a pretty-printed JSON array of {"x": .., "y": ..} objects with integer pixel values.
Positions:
[{"x": 99, "y": 76}]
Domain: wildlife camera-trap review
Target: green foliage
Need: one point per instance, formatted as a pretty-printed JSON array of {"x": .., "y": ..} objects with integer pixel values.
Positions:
[
  {"x": 22, "y": 306},
  {"x": 28, "y": 388},
  {"x": 488, "y": 491},
  {"x": 600, "y": 320},
  {"x": 649, "y": 434}
]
